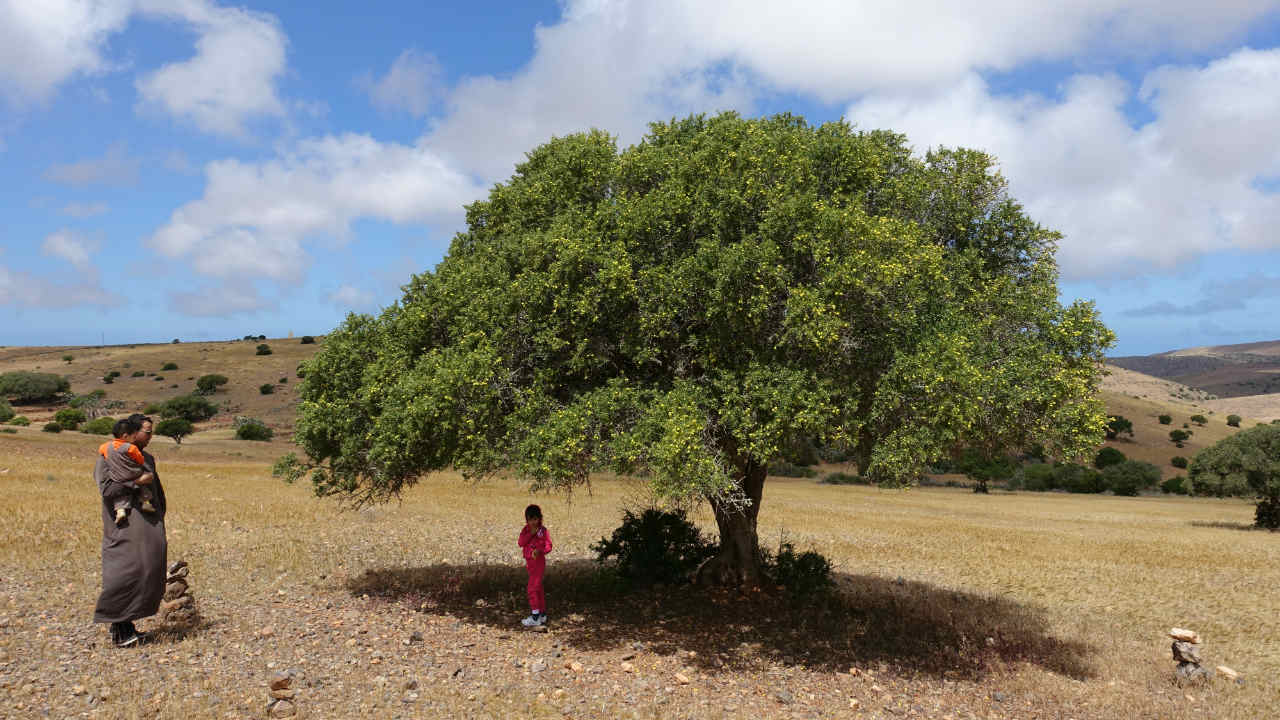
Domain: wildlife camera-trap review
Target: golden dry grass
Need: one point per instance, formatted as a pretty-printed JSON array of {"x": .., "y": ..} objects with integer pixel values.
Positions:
[{"x": 1076, "y": 593}]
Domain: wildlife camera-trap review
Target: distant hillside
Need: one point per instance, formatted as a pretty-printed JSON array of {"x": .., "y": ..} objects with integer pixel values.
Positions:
[
  {"x": 1226, "y": 371},
  {"x": 238, "y": 360}
]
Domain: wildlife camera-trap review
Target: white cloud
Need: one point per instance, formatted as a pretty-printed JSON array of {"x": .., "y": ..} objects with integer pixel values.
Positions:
[
  {"x": 350, "y": 297},
  {"x": 1126, "y": 198},
  {"x": 84, "y": 210},
  {"x": 235, "y": 297},
  {"x": 70, "y": 246},
  {"x": 42, "y": 44},
  {"x": 412, "y": 84},
  {"x": 255, "y": 219},
  {"x": 19, "y": 288},
  {"x": 232, "y": 78},
  {"x": 114, "y": 167}
]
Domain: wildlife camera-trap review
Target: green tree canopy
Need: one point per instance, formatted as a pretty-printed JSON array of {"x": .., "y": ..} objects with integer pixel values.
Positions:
[
  {"x": 176, "y": 428},
  {"x": 25, "y": 387},
  {"x": 209, "y": 384},
  {"x": 692, "y": 305},
  {"x": 1245, "y": 464}
]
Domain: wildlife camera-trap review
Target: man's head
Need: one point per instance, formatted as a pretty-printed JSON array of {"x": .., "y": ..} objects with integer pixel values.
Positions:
[{"x": 138, "y": 430}]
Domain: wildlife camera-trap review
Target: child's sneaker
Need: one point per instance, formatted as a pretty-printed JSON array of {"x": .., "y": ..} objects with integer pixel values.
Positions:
[
  {"x": 542, "y": 619},
  {"x": 532, "y": 621},
  {"x": 121, "y": 514}
]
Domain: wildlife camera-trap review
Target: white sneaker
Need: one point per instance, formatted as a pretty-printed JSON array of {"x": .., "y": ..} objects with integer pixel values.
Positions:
[{"x": 531, "y": 621}]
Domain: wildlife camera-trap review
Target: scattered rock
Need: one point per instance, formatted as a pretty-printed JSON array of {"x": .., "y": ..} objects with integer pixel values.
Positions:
[
  {"x": 559, "y": 693},
  {"x": 628, "y": 667},
  {"x": 1189, "y": 673},
  {"x": 284, "y": 694},
  {"x": 1185, "y": 652},
  {"x": 576, "y": 666},
  {"x": 281, "y": 680},
  {"x": 1183, "y": 635},
  {"x": 784, "y": 697},
  {"x": 537, "y": 666},
  {"x": 281, "y": 709},
  {"x": 78, "y": 690},
  {"x": 1228, "y": 673},
  {"x": 411, "y": 684},
  {"x": 680, "y": 678},
  {"x": 416, "y": 637}
]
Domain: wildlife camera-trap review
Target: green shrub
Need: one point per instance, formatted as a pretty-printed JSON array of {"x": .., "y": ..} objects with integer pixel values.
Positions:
[
  {"x": 116, "y": 373},
  {"x": 31, "y": 387},
  {"x": 1117, "y": 425},
  {"x": 98, "y": 426},
  {"x": 69, "y": 418},
  {"x": 1246, "y": 464},
  {"x": 1178, "y": 436},
  {"x": 264, "y": 349},
  {"x": 176, "y": 341},
  {"x": 1079, "y": 479},
  {"x": 307, "y": 340},
  {"x": 1038, "y": 477},
  {"x": 20, "y": 421},
  {"x": 804, "y": 575},
  {"x": 176, "y": 428},
  {"x": 1233, "y": 420},
  {"x": 108, "y": 379},
  {"x": 254, "y": 430},
  {"x": 209, "y": 384},
  {"x": 266, "y": 388},
  {"x": 168, "y": 367},
  {"x": 782, "y": 468},
  {"x": 138, "y": 373},
  {"x": 1199, "y": 420},
  {"x": 6, "y": 411},
  {"x": 1165, "y": 419},
  {"x": 68, "y": 358},
  {"x": 151, "y": 409},
  {"x": 1131, "y": 477},
  {"x": 192, "y": 408},
  {"x": 654, "y": 546},
  {"x": 982, "y": 468},
  {"x": 283, "y": 381},
  {"x": 52, "y": 427},
  {"x": 844, "y": 478},
  {"x": 88, "y": 400},
  {"x": 1108, "y": 456},
  {"x": 1178, "y": 461},
  {"x": 1176, "y": 485},
  {"x": 9, "y": 431}
]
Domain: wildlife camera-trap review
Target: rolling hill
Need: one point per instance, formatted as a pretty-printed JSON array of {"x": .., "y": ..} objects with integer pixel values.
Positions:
[{"x": 1223, "y": 370}]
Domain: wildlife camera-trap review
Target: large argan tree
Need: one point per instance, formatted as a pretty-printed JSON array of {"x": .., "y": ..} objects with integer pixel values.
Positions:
[{"x": 688, "y": 307}]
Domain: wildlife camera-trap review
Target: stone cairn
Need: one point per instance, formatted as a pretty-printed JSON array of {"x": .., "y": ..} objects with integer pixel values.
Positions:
[
  {"x": 1186, "y": 652},
  {"x": 178, "y": 607},
  {"x": 282, "y": 696}
]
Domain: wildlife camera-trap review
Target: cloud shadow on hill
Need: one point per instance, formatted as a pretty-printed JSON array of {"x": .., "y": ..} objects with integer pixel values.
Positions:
[{"x": 912, "y": 626}]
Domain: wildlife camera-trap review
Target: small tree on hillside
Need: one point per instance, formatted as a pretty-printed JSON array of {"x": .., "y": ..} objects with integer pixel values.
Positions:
[
  {"x": 307, "y": 340},
  {"x": 264, "y": 349},
  {"x": 1245, "y": 464},
  {"x": 209, "y": 384},
  {"x": 176, "y": 428},
  {"x": 1233, "y": 420},
  {"x": 6, "y": 411},
  {"x": 1199, "y": 420},
  {"x": 1118, "y": 425},
  {"x": 1178, "y": 436},
  {"x": 1108, "y": 456},
  {"x": 32, "y": 387},
  {"x": 69, "y": 418},
  {"x": 690, "y": 307},
  {"x": 193, "y": 408},
  {"x": 68, "y": 358},
  {"x": 1166, "y": 419}
]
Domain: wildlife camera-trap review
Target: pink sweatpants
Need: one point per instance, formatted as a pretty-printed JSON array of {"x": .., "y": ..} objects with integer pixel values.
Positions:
[{"x": 536, "y": 566}]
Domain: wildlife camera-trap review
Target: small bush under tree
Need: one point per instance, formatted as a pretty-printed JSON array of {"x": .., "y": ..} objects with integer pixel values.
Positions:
[
  {"x": 1176, "y": 485},
  {"x": 1131, "y": 477},
  {"x": 654, "y": 546},
  {"x": 52, "y": 427},
  {"x": 803, "y": 575},
  {"x": 782, "y": 468}
]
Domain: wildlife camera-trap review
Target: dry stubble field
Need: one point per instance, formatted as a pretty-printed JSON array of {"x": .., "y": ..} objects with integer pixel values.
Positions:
[{"x": 952, "y": 605}]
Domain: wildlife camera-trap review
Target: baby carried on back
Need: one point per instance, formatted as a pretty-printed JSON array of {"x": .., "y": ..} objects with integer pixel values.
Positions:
[{"x": 125, "y": 467}]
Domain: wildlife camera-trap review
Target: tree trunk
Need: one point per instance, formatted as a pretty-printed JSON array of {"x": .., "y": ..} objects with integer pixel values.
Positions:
[
  {"x": 866, "y": 444},
  {"x": 738, "y": 562}
]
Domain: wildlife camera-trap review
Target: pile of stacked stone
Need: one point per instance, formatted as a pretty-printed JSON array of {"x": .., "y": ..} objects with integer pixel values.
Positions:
[
  {"x": 178, "y": 607},
  {"x": 1186, "y": 652},
  {"x": 282, "y": 696}
]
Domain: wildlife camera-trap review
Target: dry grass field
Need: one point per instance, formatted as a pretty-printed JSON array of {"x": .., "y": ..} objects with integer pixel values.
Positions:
[{"x": 951, "y": 605}]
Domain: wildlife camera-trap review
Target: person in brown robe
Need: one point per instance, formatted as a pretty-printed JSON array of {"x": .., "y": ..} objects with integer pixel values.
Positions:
[{"x": 135, "y": 554}]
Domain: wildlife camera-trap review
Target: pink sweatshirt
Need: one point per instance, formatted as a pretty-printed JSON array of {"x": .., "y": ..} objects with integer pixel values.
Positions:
[{"x": 530, "y": 542}]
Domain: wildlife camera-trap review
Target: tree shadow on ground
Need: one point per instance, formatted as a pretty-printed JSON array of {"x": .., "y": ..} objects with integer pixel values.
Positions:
[
  {"x": 176, "y": 632},
  {"x": 1222, "y": 525},
  {"x": 915, "y": 627}
]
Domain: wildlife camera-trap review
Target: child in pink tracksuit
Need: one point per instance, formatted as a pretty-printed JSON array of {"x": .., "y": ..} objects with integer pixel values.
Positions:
[{"x": 535, "y": 542}]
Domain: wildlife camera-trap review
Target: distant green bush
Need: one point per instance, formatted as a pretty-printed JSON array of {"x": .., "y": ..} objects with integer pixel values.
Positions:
[
  {"x": 307, "y": 340},
  {"x": 176, "y": 428},
  {"x": 1178, "y": 461},
  {"x": 168, "y": 367},
  {"x": 209, "y": 384},
  {"x": 52, "y": 427},
  {"x": 264, "y": 349},
  {"x": 1079, "y": 479},
  {"x": 6, "y": 411},
  {"x": 1108, "y": 456},
  {"x": 782, "y": 468},
  {"x": 98, "y": 426},
  {"x": 68, "y": 358},
  {"x": 1199, "y": 420},
  {"x": 30, "y": 387},
  {"x": 1178, "y": 436},
  {"x": 266, "y": 388},
  {"x": 108, "y": 379},
  {"x": 1117, "y": 425},
  {"x": 20, "y": 421},
  {"x": 151, "y": 409},
  {"x": 1037, "y": 477},
  {"x": 1165, "y": 419},
  {"x": 843, "y": 478},
  {"x": 254, "y": 430},
  {"x": 283, "y": 381},
  {"x": 1176, "y": 485},
  {"x": 69, "y": 418},
  {"x": 192, "y": 408},
  {"x": 1131, "y": 477},
  {"x": 1233, "y": 420}
]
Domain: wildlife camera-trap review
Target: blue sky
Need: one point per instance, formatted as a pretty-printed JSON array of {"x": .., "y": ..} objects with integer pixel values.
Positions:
[{"x": 192, "y": 169}]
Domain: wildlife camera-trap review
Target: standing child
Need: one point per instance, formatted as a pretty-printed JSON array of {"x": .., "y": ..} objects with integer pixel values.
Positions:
[{"x": 535, "y": 541}]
